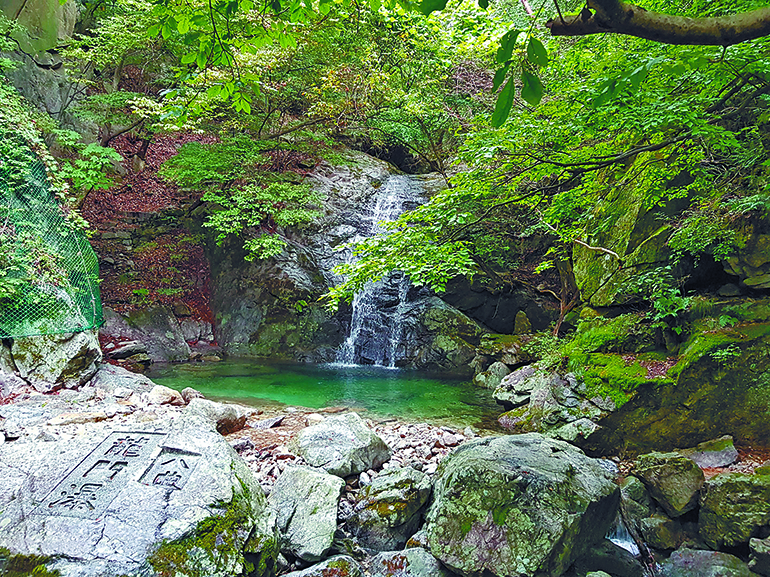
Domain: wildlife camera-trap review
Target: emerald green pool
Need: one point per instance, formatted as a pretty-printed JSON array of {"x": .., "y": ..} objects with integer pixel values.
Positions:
[{"x": 408, "y": 395}]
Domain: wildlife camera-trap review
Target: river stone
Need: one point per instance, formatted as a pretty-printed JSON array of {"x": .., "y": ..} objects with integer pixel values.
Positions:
[
  {"x": 169, "y": 497},
  {"x": 608, "y": 557},
  {"x": 491, "y": 378},
  {"x": 672, "y": 479},
  {"x": 50, "y": 362},
  {"x": 305, "y": 501},
  {"x": 416, "y": 562},
  {"x": 11, "y": 385},
  {"x": 160, "y": 395},
  {"x": 694, "y": 563},
  {"x": 342, "y": 445},
  {"x": 719, "y": 452},
  {"x": 389, "y": 509},
  {"x": 661, "y": 532},
  {"x": 157, "y": 328},
  {"x": 733, "y": 508},
  {"x": 759, "y": 556},
  {"x": 519, "y": 504},
  {"x": 337, "y": 566},
  {"x": 227, "y": 418}
]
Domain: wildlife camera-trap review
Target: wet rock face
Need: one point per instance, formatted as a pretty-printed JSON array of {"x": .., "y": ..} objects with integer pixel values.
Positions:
[
  {"x": 520, "y": 504},
  {"x": 342, "y": 445},
  {"x": 153, "y": 499}
]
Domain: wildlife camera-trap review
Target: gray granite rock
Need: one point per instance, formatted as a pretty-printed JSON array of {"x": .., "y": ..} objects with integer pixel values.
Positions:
[
  {"x": 135, "y": 502},
  {"x": 694, "y": 563},
  {"x": 342, "y": 445},
  {"x": 305, "y": 503},
  {"x": 415, "y": 562},
  {"x": 227, "y": 418},
  {"x": 673, "y": 480},
  {"x": 719, "y": 452}
]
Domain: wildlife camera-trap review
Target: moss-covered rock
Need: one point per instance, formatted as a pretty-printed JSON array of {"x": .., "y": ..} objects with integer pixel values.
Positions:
[
  {"x": 520, "y": 504},
  {"x": 415, "y": 562},
  {"x": 694, "y": 563},
  {"x": 389, "y": 510},
  {"x": 673, "y": 480},
  {"x": 734, "y": 507}
]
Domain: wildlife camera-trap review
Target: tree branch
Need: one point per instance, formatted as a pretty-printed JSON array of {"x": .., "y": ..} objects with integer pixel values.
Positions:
[{"x": 621, "y": 18}]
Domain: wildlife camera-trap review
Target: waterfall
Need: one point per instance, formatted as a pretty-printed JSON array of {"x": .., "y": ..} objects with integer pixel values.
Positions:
[{"x": 379, "y": 310}]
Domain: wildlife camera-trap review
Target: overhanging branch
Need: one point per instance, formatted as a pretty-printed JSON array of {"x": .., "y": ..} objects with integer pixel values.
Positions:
[{"x": 621, "y": 18}]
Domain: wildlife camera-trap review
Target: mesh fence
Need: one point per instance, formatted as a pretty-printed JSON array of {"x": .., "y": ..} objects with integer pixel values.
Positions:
[{"x": 48, "y": 270}]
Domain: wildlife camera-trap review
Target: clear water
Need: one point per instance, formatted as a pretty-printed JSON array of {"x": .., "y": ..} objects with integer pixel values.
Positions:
[{"x": 382, "y": 392}]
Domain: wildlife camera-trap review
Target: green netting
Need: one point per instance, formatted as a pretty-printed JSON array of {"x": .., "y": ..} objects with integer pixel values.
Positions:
[{"x": 49, "y": 273}]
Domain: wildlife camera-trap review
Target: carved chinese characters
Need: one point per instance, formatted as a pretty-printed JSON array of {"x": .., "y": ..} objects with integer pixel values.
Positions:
[{"x": 91, "y": 486}]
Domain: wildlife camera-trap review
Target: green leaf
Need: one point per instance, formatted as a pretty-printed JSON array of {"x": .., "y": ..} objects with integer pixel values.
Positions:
[
  {"x": 375, "y": 5},
  {"x": 536, "y": 52},
  {"x": 428, "y": 6},
  {"x": 607, "y": 91},
  {"x": 503, "y": 104},
  {"x": 201, "y": 60},
  {"x": 500, "y": 76},
  {"x": 507, "y": 42},
  {"x": 531, "y": 88},
  {"x": 213, "y": 91},
  {"x": 189, "y": 58},
  {"x": 483, "y": 4},
  {"x": 153, "y": 30}
]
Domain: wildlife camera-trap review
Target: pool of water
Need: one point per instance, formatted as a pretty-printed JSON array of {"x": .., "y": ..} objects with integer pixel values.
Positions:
[{"x": 408, "y": 395}]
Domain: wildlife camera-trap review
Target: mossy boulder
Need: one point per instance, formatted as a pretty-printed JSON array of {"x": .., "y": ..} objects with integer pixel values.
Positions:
[
  {"x": 759, "y": 557},
  {"x": 751, "y": 262},
  {"x": 695, "y": 563},
  {"x": 734, "y": 508},
  {"x": 518, "y": 504},
  {"x": 719, "y": 385},
  {"x": 389, "y": 509},
  {"x": 673, "y": 480},
  {"x": 661, "y": 532},
  {"x": 719, "y": 452}
]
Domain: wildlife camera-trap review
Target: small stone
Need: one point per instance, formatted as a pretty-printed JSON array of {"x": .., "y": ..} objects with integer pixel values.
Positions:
[
  {"x": 242, "y": 444},
  {"x": 449, "y": 440},
  {"x": 160, "y": 395},
  {"x": 364, "y": 479},
  {"x": 314, "y": 419},
  {"x": 211, "y": 358},
  {"x": 469, "y": 432},
  {"x": 189, "y": 394}
]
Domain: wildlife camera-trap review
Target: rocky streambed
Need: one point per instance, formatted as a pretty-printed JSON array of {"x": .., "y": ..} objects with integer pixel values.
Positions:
[{"x": 124, "y": 477}]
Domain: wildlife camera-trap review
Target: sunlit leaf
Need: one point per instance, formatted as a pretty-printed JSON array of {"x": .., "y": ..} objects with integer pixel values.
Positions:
[
  {"x": 500, "y": 77},
  {"x": 428, "y": 6}
]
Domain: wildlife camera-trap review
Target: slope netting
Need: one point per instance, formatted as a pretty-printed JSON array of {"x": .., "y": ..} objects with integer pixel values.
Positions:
[{"x": 48, "y": 271}]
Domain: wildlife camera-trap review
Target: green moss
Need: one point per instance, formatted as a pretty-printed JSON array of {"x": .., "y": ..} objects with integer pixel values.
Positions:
[
  {"x": 500, "y": 513},
  {"x": 24, "y": 565},
  {"x": 215, "y": 542},
  {"x": 625, "y": 333},
  {"x": 608, "y": 375}
]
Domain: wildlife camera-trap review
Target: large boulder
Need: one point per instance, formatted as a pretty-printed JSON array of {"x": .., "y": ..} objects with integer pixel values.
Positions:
[
  {"x": 50, "y": 362},
  {"x": 168, "y": 498},
  {"x": 759, "y": 557},
  {"x": 491, "y": 378},
  {"x": 305, "y": 501},
  {"x": 519, "y": 504},
  {"x": 415, "y": 562},
  {"x": 694, "y": 563},
  {"x": 156, "y": 328},
  {"x": 389, "y": 510},
  {"x": 734, "y": 506},
  {"x": 342, "y": 445},
  {"x": 672, "y": 479},
  {"x": 610, "y": 558},
  {"x": 719, "y": 452}
]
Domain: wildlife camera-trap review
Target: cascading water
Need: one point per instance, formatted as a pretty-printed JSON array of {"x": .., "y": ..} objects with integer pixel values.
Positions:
[{"x": 379, "y": 310}]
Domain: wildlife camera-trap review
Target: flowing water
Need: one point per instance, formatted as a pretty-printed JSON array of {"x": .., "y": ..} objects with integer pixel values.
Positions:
[
  {"x": 376, "y": 325},
  {"x": 381, "y": 392}
]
